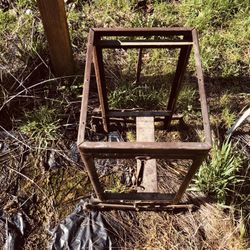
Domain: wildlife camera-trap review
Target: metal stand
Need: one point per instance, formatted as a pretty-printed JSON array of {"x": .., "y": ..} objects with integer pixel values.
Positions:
[{"x": 145, "y": 148}]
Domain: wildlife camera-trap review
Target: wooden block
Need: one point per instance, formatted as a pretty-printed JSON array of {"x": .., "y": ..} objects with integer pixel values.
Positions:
[
  {"x": 56, "y": 29},
  {"x": 145, "y": 133}
]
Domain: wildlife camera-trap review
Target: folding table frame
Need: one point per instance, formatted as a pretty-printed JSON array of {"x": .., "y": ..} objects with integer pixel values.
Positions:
[{"x": 170, "y": 38}]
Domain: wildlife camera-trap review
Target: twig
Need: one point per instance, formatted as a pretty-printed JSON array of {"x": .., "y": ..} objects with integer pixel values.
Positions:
[
  {"x": 35, "y": 85},
  {"x": 27, "y": 178},
  {"x": 12, "y": 136}
]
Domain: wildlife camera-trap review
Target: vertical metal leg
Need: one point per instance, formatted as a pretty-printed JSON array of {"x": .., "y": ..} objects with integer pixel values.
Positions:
[
  {"x": 180, "y": 70},
  {"x": 204, "y": 108},
  {"x": 101, "y": 86},
  {"x": 90, "y": 166},
  {"x": 139, "y": 63},
  {"x": 195, "y": 165},
  {"x": 85, "y": 94}
]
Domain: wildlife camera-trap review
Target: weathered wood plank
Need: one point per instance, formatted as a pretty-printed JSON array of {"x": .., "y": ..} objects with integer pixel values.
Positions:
[
  {"x": 145, "y": 133},
  {"x": 56, "y": 29}
]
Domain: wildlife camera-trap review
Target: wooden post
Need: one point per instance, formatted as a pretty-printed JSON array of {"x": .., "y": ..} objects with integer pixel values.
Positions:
[{"x": 57, "y": 33}]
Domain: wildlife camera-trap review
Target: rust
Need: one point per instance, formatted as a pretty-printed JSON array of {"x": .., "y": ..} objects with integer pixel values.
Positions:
[{"x": 196, "y": 151}]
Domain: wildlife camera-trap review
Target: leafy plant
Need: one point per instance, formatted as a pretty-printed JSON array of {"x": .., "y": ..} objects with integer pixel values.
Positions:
[
  {"x": 41, "y": 125},
  {"x": 228, "y": 117},
  {"x": 219, "y": 173}
]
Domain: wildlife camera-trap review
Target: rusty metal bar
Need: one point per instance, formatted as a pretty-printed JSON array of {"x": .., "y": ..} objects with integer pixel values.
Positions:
[
  {"x": 146, "y": 32},
  {"x": 179, "y": 74},
  {"x": 138, "y": 206},
  {"x": 167, "y": 198},
  {"x": 204, "y": 108},
  {"x": 90, "y": 166},
  {"x": 138, "y": 68},
  {"x": 105, "y": 44},
  {"x": 101, "y": 85},
  {"x": 132, "y": 118},
  {"x": 85, "y": 94},
  {"x": 138, "y": 113},
  {"x": 171, "y": 150},
  {"x": 195, "y": 165}
]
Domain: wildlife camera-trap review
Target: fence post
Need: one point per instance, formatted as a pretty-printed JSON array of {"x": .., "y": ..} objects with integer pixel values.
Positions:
[{"x": 56, "y": 29}]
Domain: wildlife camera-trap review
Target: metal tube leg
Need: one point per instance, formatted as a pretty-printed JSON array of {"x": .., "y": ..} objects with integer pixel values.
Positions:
[
  {"x": 90, "y": 166},
  {"x": 139, "y": 63},
  {"x": 101, "y": 86},
  {"x": 195, "y": 165},
  {"x": 179, "y": 74}
]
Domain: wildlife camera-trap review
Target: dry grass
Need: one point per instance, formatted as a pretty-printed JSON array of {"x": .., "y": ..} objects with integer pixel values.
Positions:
[
  {"x": 47, "y": 196},
  {"x": 209, "y": 227}
]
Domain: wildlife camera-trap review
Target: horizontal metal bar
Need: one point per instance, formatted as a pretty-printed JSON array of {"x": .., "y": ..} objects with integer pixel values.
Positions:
[
  {"x": 160, "y": 150},
  {"x": 141, "y": 44},
  {"x": 132, "y": 119},
  {"x": 138, "y": 113},
  {"x": 142, "y": 31},
  {"x": 147, "y": 145},
  {"x": 167, "y": 198},
  {"x": 139, "y": 206}
]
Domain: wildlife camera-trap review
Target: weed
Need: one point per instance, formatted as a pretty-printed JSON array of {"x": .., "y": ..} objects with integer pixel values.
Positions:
[
  {"x": 219, "y": 173},
  {"x": 131, "y": 136},
  {"x": 23, "y": 4},
  {"x": 226, "y": 100},
  {"x": 22, "y": 39},
  {"x": 115, "y": 185},
  {"x": 186, "y": 99},
  {"x": 41, "y": 125},
  {"x": 219, "y": 22},
  {"x": 131, "y": 96},
  {"x": 225, "y": 116},
  {"x": 228, "y": 117}
]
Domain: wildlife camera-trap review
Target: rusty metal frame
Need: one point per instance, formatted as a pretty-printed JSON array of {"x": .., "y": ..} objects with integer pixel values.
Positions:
[{"x": 196, "y": 151}]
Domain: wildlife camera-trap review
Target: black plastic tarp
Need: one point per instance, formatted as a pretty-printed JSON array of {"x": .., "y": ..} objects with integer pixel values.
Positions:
[
  {"x": 83, "y": 229},
  {"x": 14, "y": 227}
]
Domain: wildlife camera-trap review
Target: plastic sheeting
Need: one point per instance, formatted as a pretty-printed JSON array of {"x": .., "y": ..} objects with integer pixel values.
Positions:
[
  {"x": 82, "y": 229},
  {"x": 15, "y": 227}
]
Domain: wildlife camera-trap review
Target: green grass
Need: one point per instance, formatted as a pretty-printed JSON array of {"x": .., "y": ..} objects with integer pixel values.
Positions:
[
  {"x": 132, "y": 96},
  {"x": 41, "y": 126},
  {"x": 186, "y": 99},
  {"x": 224, "y": 26},
  {"x": 219, "y": 174},
  {"x": 22, "y": 38},
  {"x": 225, "y": 114},
  {"x": 224, "y": 34}
]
